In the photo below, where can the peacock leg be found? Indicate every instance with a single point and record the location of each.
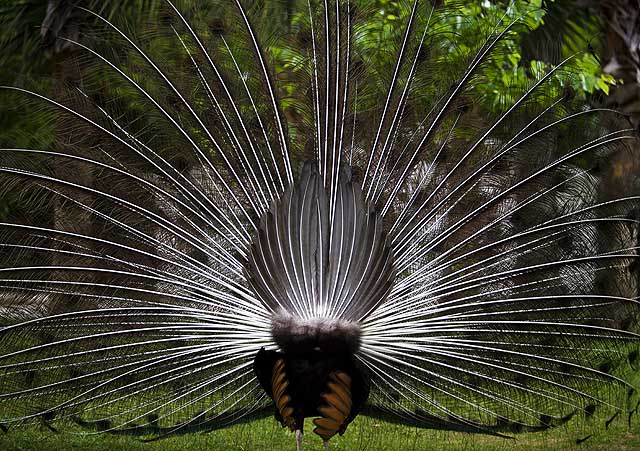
(326, 445)
(299, 435)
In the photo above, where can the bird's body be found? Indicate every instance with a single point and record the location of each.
(316, 220)
(307, 378)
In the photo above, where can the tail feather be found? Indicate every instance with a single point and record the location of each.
(250, 186)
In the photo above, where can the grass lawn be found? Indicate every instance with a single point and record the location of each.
(364, 434)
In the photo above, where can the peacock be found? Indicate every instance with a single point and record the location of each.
(310, 214)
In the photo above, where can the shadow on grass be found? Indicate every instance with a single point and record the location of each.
(363, 435)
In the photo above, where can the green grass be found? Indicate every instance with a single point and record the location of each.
(365, 434)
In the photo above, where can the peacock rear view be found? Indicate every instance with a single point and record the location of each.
(315, 219)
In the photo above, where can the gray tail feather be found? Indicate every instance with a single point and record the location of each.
(316, 262)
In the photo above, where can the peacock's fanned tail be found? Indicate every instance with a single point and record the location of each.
(232, 182)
